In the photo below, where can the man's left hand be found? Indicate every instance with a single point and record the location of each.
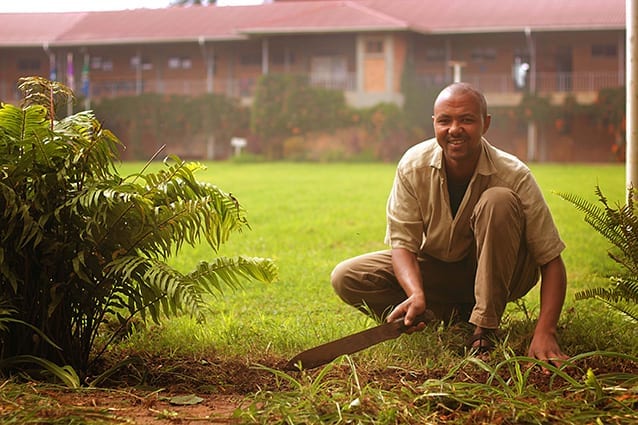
(544, 347)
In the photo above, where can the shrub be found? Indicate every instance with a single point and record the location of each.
(620, 227)
(286, 105)
(148, 121)
(81, 243)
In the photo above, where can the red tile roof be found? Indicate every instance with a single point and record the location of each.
(323, 16)
(159, 25)
(231, 23)
(445, 16)
(28, 29)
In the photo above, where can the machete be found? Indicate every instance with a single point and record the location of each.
(325, 353)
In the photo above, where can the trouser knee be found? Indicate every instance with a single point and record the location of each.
(338, 280)
(498, 205)
(367, 282)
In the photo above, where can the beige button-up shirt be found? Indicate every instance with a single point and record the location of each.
(419, 217)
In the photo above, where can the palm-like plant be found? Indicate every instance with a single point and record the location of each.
(80, 243)
(620, 227)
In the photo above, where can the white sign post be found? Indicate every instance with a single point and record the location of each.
(238, 143)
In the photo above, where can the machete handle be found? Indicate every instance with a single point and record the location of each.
(426, 317)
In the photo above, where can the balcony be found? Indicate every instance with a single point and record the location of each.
(550, 82)
(501, 90)
(498, 86)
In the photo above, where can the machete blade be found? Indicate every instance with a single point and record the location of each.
(325, 353)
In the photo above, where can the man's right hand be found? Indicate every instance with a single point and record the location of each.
(409, 310)
(406, 269)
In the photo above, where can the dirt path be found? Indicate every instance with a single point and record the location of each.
(195, 391)
(143, 408)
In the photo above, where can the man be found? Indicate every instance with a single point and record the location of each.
(468, 230)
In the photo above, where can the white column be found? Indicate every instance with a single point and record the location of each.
(631, 177)
(389, 64)
(457, 67)
(360, 53)
(264, 56)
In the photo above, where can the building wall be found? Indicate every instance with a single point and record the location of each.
(566, 63)
(20, 62)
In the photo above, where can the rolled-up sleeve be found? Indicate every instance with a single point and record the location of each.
(404, 220)
(543, 239)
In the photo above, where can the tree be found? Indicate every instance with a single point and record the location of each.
(81, 243)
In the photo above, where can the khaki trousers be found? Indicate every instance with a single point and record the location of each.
(498, 269)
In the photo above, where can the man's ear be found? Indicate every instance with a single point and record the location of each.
(486, 123)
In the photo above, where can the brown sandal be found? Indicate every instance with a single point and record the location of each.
(481, 343)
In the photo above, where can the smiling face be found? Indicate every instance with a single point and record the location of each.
(460, 120)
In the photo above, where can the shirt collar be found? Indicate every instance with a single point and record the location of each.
(485, 164)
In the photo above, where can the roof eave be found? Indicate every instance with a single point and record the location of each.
(319, 30)
(492, 30)
(30, 44)
(131, 41)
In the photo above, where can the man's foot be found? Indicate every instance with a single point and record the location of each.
(482, 341)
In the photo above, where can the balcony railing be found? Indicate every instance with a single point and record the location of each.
(549, 82)
(236, 88)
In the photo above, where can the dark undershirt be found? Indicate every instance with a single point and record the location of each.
(456, 192)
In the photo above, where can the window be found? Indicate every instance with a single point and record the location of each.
(435, 54)
(101, 64)
(180, 63)
(283, 57)
(250, 59)
(29, 64)
(604, 50)
(484, 54)
(144, 63)
(374, 47)
(329, 71)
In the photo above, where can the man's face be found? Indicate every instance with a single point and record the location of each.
(459, 125)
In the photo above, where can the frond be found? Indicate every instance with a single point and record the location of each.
(590, 209)
(122, 215)
(595, 215)
(151, 285)
(597, 293)
(41, 91)
(619, 226)
(95, 148)
(182, 204)
(231, 272)
(23, 126)
(139, 295)
(627, 224)
(627, 288)
(623, 297)
(629, 310)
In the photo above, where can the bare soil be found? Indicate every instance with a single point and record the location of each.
(145, 392)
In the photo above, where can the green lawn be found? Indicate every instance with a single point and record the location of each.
(308, 217)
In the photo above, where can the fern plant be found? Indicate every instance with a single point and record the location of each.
(619, 226)
(81, 243)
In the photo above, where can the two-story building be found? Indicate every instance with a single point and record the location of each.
(504, 47)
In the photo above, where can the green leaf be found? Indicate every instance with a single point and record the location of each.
(66, 374)
(80, 242)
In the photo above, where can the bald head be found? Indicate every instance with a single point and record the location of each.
(460, 89)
